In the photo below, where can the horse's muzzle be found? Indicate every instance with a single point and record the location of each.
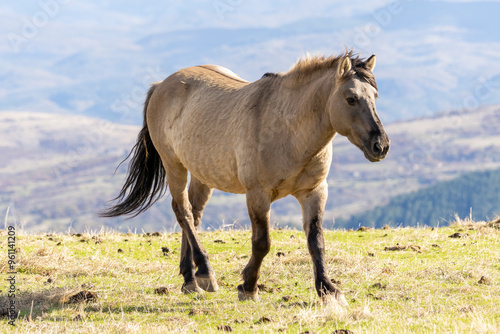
(378, 148)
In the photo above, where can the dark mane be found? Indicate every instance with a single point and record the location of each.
(270, 75)
(308, 65)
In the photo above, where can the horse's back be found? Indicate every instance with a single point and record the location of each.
(194, 118)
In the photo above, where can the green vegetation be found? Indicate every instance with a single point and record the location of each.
(436, 205)
(402, 280)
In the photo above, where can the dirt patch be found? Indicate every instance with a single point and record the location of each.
(399, 247)
(458, 235)
(494, 224)
(264, 320)
(225, 328)
(83, 296)
(379, 286)
(484, 280)
(162, 290)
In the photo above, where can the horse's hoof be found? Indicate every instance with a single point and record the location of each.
(191, 287)
(207, 283)
(247, 295)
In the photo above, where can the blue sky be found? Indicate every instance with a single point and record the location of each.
(96, 58)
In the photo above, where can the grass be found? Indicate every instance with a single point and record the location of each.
(433, 284)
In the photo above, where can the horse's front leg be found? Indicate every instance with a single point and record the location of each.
(313, 206)
(259, 206)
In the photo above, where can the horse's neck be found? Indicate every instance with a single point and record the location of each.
(307, 118)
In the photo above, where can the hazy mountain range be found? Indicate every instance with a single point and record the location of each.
(96, 58)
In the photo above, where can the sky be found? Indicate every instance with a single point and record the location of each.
(97, 58)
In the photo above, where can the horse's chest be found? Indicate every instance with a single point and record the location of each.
(308, 176)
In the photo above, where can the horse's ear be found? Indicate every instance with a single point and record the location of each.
(345, 66)
(370, 63)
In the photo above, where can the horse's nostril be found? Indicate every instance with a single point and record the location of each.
(377, 149)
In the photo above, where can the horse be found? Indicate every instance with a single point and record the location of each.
(266, 139)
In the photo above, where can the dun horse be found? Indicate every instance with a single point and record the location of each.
(267, 139)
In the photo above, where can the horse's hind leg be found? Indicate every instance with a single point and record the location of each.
(199, 194)
(177, 181)
(313, 205)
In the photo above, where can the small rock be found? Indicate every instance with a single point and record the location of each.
(308, 332)
(342, 331)
(163, 290)
(120, 250)
(59, 243)
(286, 298)
(79, 317)
(386, 227)
(484, 280)
(225, 328)
(165, 250)
(218, 241)
(371, 254)
(364, 229)
(156, 234)
(436, 246)
(279, 254)
(292, 237)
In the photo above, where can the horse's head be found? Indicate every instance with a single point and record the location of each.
(352, 107)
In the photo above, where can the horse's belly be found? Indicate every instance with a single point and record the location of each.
(216, 173)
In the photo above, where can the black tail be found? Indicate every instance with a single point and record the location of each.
(146, 181)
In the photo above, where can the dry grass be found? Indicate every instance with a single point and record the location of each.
(429, 283)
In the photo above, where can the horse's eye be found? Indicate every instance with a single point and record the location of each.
(351, 101)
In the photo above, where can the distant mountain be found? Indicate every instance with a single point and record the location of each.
(58, 170)
(475, 195)
(97, 58)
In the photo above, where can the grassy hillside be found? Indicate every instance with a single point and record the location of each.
(402, 280)
(435, 205)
